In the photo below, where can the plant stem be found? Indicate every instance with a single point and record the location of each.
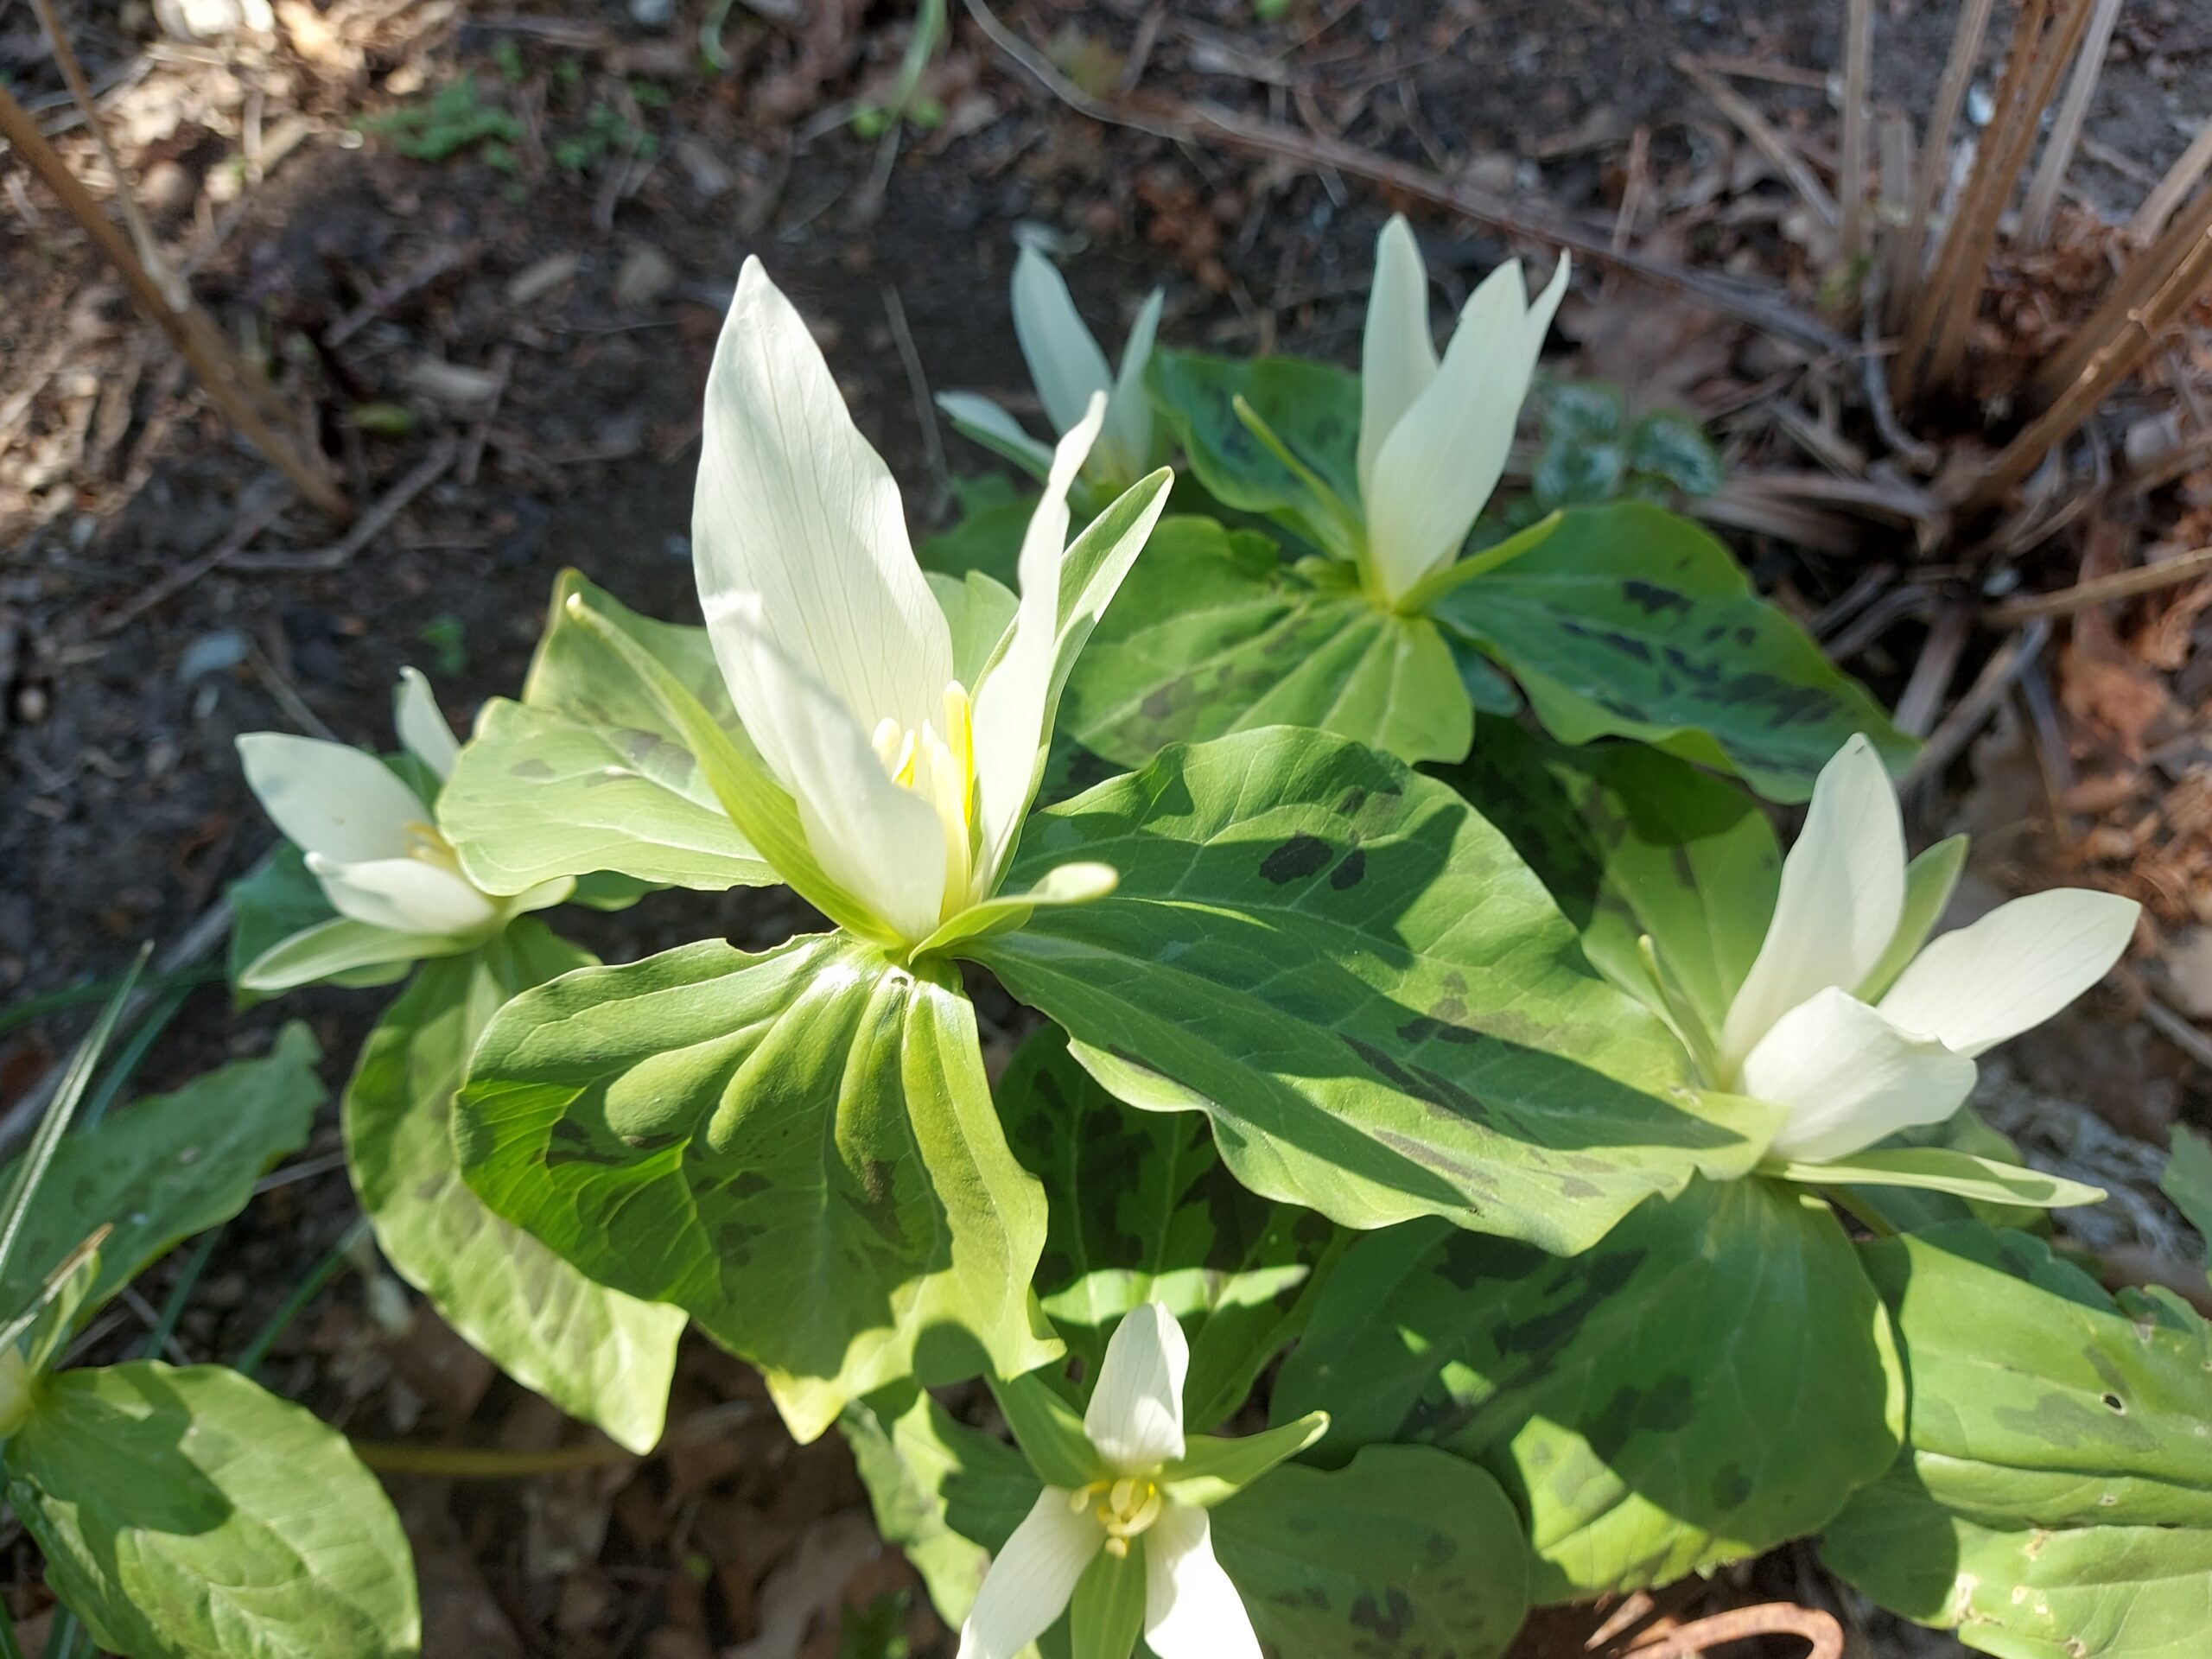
(37, 1007)
(10, 1646)
(181, 1293)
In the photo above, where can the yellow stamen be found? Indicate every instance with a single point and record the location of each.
(1126, 1507)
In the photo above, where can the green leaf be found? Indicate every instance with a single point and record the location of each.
(1407, 1550)
(1212, 1470)
(596, 1353)
(1107, 1615)
(165, 1168)
(190, 1514)
(1572, 472)
(275, 903)
(1633, 842)
(799, 1148)
(978, 609)
(987, 539)
(1629, 622)
(1312, 409)
(589, 774)
(1587, 411)
(1139, 1208)
(1048, 1430)
(2055, 1499)
(1909, 1210)
(344, 952)
(1674, 448)
(2187, 1180)
(1213, 634)
(945, 1493)
(1938, 1169)
(1370, 996)
(1703, 1384)
(45, 1326)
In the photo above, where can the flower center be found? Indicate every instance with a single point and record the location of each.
(1124, 1506)
(426, 846)
(941, 769)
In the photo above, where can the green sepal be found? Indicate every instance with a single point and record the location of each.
(1212, 1468)
(1939, 1169)
(1106, 1615)
(1049, 1432)
(1929, 881)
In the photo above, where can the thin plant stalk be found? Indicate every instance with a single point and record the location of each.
(1935, 153)
(2146, 274)
(1851, 176)
(2173, 189)
(2066, 134)
(251, 1356)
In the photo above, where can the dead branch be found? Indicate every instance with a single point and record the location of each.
(1822, 1636)
(2101, 590)
(227, 379)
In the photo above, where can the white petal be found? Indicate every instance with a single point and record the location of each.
(2013, 968)
(1032, 1577)
(1129, 411)
(1135, 1416)
(1439, 464)
(1010, 703)
(882, 843)
(326, 799)
(979, 418)
(1063, 359)
(1397, 356)
(1842, 893)
(422, 729)
(1191, 1609)
(404, 895)
(1850, 1076)
(794, 507)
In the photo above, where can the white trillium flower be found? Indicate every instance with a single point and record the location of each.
(1433, 436)
(1069, 369)
(1135, 1425)
(371, 840)
(909, 786)
(1800, 1032)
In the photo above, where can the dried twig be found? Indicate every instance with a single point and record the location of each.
(1936, 153)
(1192, 123)
(2145, 275)
(1822, 1636)
(258, 512)
(2101, 590)
(1957, 728)
(917, 385)
(2173, 190)
(1763, 135)
(1851, 174)
(1931, 674)
(365, 529)
(2065, 133)
(235, 387)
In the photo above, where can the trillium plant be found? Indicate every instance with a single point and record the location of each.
(1430, 1153)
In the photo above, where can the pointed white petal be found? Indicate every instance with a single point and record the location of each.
(1010, 703)
(882, 843)
(1397, 355)
(422, 729)
(1032, 1577)
(1842, 893)
(1129, 411)
(1191, 1609)
(404, 895)
(327, 798)
(1135, 1416)
(1437, 469)
(2013, 968)
(1850, 1076)
(1063, 359)
(795, 507)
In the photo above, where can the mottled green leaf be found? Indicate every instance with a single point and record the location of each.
(2055, 1498)
(587, 773)
(1939, 1169)
(594, 1352)
(1212, 634)
(1674, 448)
(190, 1514)
(165, 1168)
(1313, 409)
(1631, 842)
(1372, 999)
(1588, 412)
(2187, 1180)
(945, 1493)
(1575, 473)
(1406, 1550)
(799, 1148)
(1704, 1383)
(1139, 1208)
(1629, 622)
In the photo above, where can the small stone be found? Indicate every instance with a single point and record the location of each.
(645, 279)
